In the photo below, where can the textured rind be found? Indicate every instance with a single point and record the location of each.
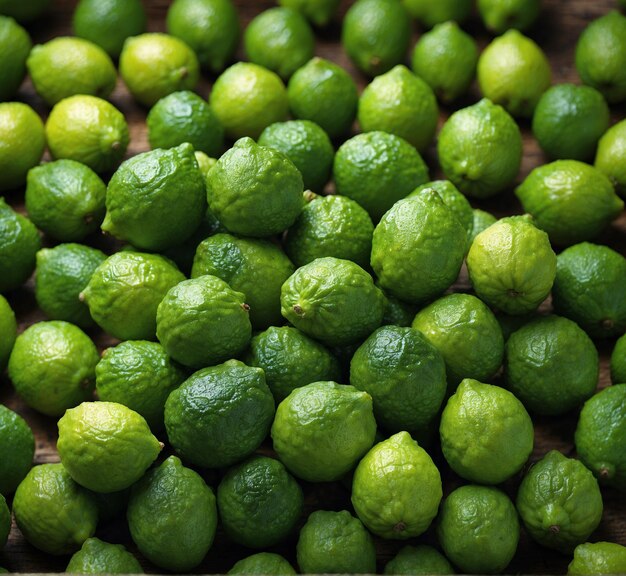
(421, 559)
(17, 439)
(262, 563)
(98, 557)
(598, 558)
(8, 333)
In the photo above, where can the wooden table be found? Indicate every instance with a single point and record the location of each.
(557, 31)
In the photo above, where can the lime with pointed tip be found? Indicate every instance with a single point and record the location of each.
(15, 45)
(598, 558)
(98, 557)
(262, 563)
(421, 559)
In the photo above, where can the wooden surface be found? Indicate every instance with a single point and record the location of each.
(557, 30)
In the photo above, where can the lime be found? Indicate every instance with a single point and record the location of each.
(15, 46)
(210, 27)
(24, 11)
(590, 289)
(498, 16)
(62, 273)
(559, 502)
(65, 199)
(247, 98)
(17, 439)
(259, 502)
(306, 145)
(478, 529)
(98, 557)
(322, 430)
(610, 154)
(480, 149)
(332, 300)
(335, 543)
(139, 375)
(262, 563)
(220, 415)
(22, 143)
(377, 169)
(482, 221)
(203, 321)
(376, 35)
(318, 12)
(417, 560)
(445, 58)
(8, 333)
(598, 558)
(108, 23)
(5, 522)
(514, 72)
(323, 92)
(601, 433)
(185, 117)
(89, 130)
(618, 361)
(432, 13)
(512, 266)
(125, 290)
(156, 200)
(601, 56)
(418, 248)
(569, 120)
(172, 516)
(52, 366)
(330, 226)
(396, 488)
(53, 512)
(257, 268)
(254, 190)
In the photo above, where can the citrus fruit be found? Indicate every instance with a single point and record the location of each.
(598, 558)
(482, 221)
(610, 156)
(498, 16)
(618, 361)
(98, 557)
(17, 439)
(262, 563)
(15, 46)
(421, 559)
(432, 13)
(318, 12)
(8, 333)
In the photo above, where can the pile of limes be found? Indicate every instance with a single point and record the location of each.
(278, 289)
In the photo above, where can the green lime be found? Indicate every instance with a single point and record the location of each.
(210, 27)
(5, 522)
(330, 226)
(322, 430)
(24, 11)
(590, 289)
(247, 98)
(601, 56)
(262, 563)
(290, 360)
(185, 117)
(172, 516)
(570, 200)
(323, 92)
(306, 145)
(376, 35)
(53, 512)
(610, 155)
(482, 221)
(17, 439)
(418, 248)
(254, 190)
(89, 130)
(62, 273)
(446, 58)
(108, 23)
(332, 300)
(559, 502)
(125, 290)
(156, 200)
(66, 66)
(335, 543)
(618, 361)
(52, 366)
(15, 46)
(569, 120)
(153, 65)
(432, 13)
(259, 502)
(514, 72)
(139, 375)
(480, 149)
(65, 199)
(466, 333)
(377, 169)
(280, 39)
(318, 12)
(512, 265)
(551, 365)
(486, 433)
(416, 560)
(257, 268)
(220, 415)
(396, 470)
(22, 143)
(598, 558)
(203, 321)
(601, 434)
(8, 333)
(478, 529)
(498, 16)
(405, 376)
(98, 557)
